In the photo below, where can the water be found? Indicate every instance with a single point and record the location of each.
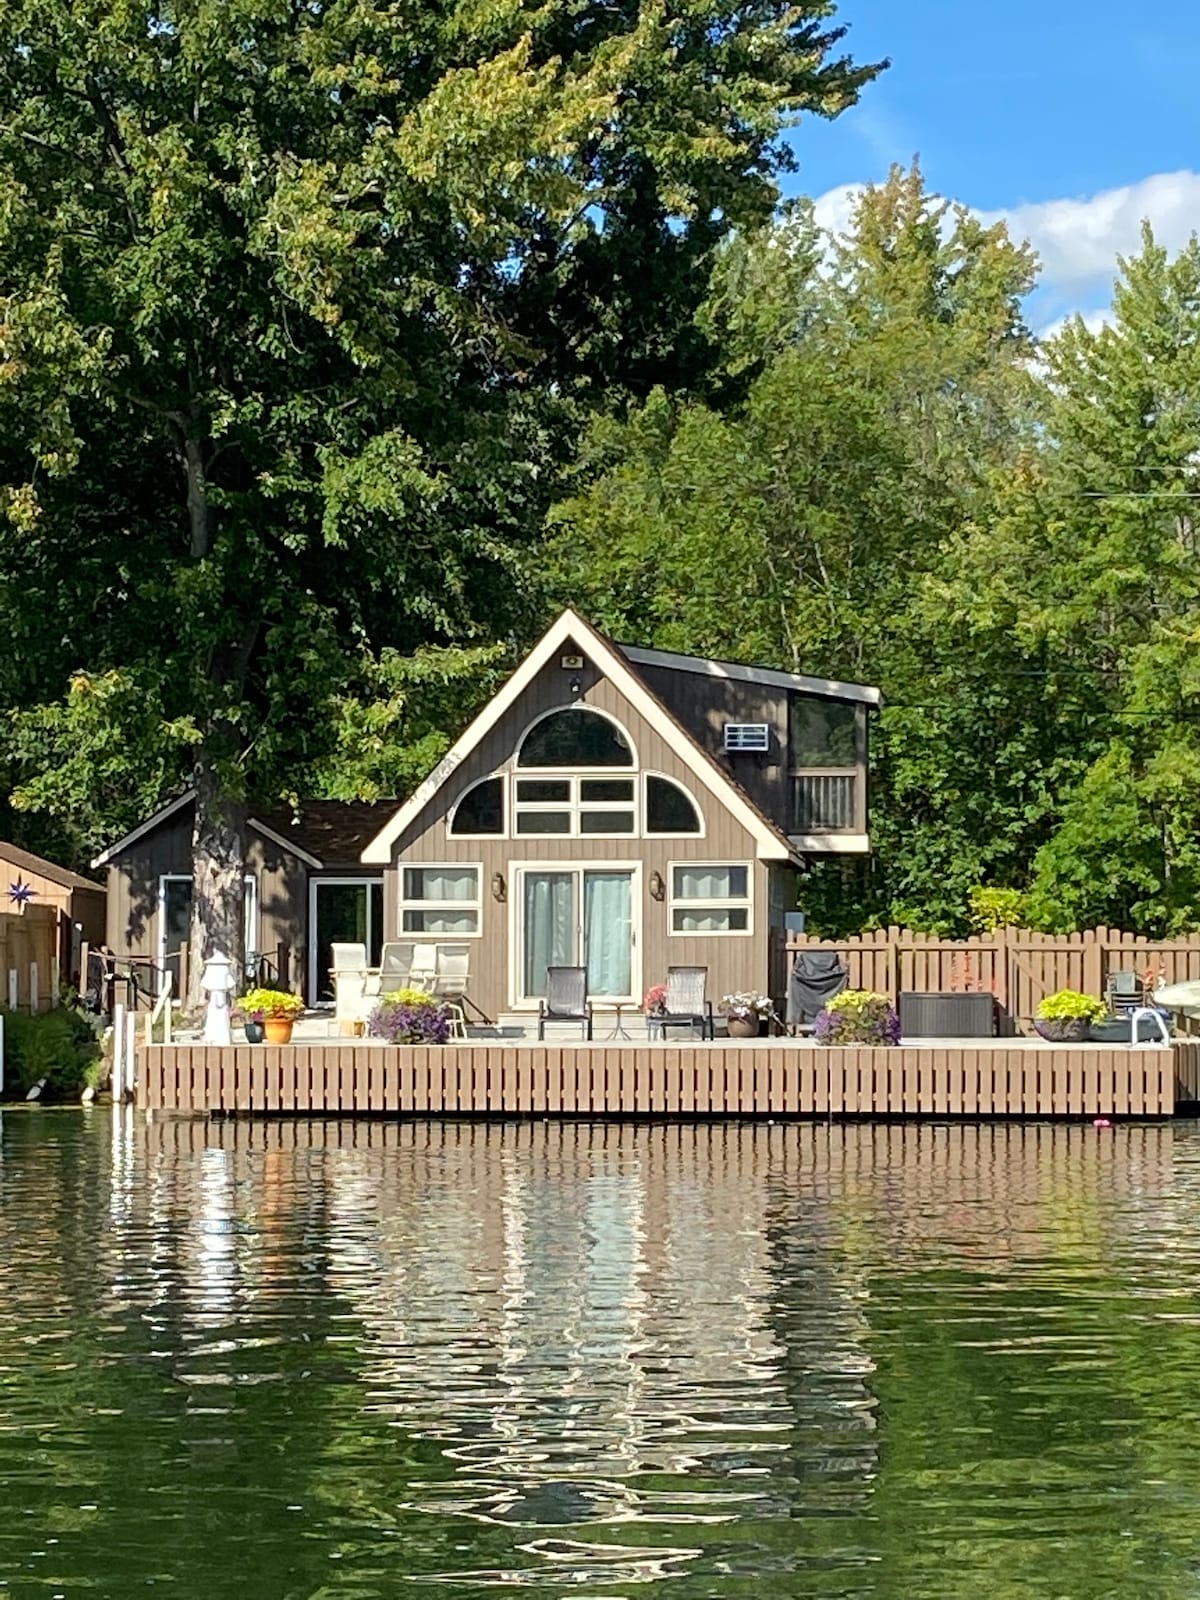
(339, 1360)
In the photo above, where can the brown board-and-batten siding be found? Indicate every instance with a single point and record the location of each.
(734, 961)
(753, 1079)
(166, 850)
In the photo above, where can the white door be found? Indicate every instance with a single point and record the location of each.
(577, 916)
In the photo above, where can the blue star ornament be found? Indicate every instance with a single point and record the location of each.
(20, 894)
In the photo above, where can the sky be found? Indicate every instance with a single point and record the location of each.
(1073, 120)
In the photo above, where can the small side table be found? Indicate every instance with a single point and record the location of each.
(618, 1030)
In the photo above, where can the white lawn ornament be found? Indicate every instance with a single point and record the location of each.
(218, 982)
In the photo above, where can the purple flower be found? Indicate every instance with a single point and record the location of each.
(867, 1019)
(405, 1022)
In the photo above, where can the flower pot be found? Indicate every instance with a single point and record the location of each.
(742, 1027)
(1063, 1030)
(278, 1029)
(253, 1032)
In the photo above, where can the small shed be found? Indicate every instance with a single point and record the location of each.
(78, 902)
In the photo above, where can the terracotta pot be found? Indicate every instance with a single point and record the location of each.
(253, 1032)
(742, 1027)
(278, 1029)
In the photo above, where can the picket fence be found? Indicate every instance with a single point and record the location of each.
(1015, 965)
(29, 959)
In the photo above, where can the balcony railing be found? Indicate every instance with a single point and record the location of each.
(825, 802)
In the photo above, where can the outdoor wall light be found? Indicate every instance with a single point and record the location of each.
(576, 685)
(497, 886)
(657, 887)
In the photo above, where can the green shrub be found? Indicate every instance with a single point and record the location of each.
(1069, 1005)
(60, 1046)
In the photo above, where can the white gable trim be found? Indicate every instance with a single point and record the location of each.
(284, 843)
(829, 687)
(143, 828)
(769, 845)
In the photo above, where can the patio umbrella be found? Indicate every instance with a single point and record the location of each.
(1183, 997)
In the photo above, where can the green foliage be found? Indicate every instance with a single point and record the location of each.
(992, 909)
(1069, 1005)
(61, 1045)
(260, 1003)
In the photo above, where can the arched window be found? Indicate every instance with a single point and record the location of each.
(480, 809)
(669, 807)
(575, 738)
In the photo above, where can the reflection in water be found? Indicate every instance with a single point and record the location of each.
(340, 1359)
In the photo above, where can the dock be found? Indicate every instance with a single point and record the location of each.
(745, 1079)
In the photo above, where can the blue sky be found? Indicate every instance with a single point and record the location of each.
(1074, 120)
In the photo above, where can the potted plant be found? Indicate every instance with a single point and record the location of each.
(654, 1003)
(251, 1021)
(746, 1013)
(275, 1010)
(409, 1016)
(858, 1016)
(1066, 1016)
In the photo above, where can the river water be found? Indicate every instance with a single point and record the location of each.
(358, 1360)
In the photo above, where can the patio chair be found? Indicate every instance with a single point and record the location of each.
(566, 999)
(686, 1005)
(424, 967)
(349, 973)
(451, 972)
(395, 964)
(1125, 991)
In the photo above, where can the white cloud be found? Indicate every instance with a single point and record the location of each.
(1077, 240)
(1093, 320)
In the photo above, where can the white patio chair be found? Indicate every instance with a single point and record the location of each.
(452, 970)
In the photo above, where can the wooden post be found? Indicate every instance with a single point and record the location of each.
(183, 973)
(130, 1054)
(118, 1053)
(12, 988)
(34, 994)
(1093, 963)
(83, 973)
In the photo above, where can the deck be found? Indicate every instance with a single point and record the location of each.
(1001, 1078)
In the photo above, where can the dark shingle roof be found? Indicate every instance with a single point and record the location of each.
(335, 831)
(27, 862)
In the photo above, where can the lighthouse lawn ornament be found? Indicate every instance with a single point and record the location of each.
(217, 980)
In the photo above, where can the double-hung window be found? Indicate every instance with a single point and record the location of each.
(440, 902)
(708, 898)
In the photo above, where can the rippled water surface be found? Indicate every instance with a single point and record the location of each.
(366, 1360)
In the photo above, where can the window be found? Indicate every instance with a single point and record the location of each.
(440, 901)
(175, 922)
(710, 899)
(575, 737)
(669, 808)
(828, 751)
(480, 810)
(581, 806)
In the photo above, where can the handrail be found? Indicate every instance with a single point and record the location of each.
(162, 1007)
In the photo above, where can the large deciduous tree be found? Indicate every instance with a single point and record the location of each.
(299, 300)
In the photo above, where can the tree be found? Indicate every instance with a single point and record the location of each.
(298, 306)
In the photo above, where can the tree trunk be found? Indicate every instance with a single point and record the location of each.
(218, 882)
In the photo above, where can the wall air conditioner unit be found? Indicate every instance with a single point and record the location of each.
(754, 737)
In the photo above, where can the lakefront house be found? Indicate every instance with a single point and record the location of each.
(614, 808)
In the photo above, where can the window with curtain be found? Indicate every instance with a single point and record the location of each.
(440, 900)
(669, 808)
(710, 898)
(481, 809)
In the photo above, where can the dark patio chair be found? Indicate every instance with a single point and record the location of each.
(1126, 991)
(686, 1003)
(566, 999)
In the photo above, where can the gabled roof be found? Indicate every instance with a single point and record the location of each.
(771, 844)
(26, 861)
(828, 688)
(318, 832)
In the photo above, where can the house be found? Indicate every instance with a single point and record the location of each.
(617, 808)
(77, 902)
(626, 810)
(306, 887)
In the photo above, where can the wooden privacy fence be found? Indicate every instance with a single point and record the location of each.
(1015, 965)
(29, 959)
(752, 1079)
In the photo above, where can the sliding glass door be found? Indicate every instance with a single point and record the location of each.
(577, 916)
(344, 911)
